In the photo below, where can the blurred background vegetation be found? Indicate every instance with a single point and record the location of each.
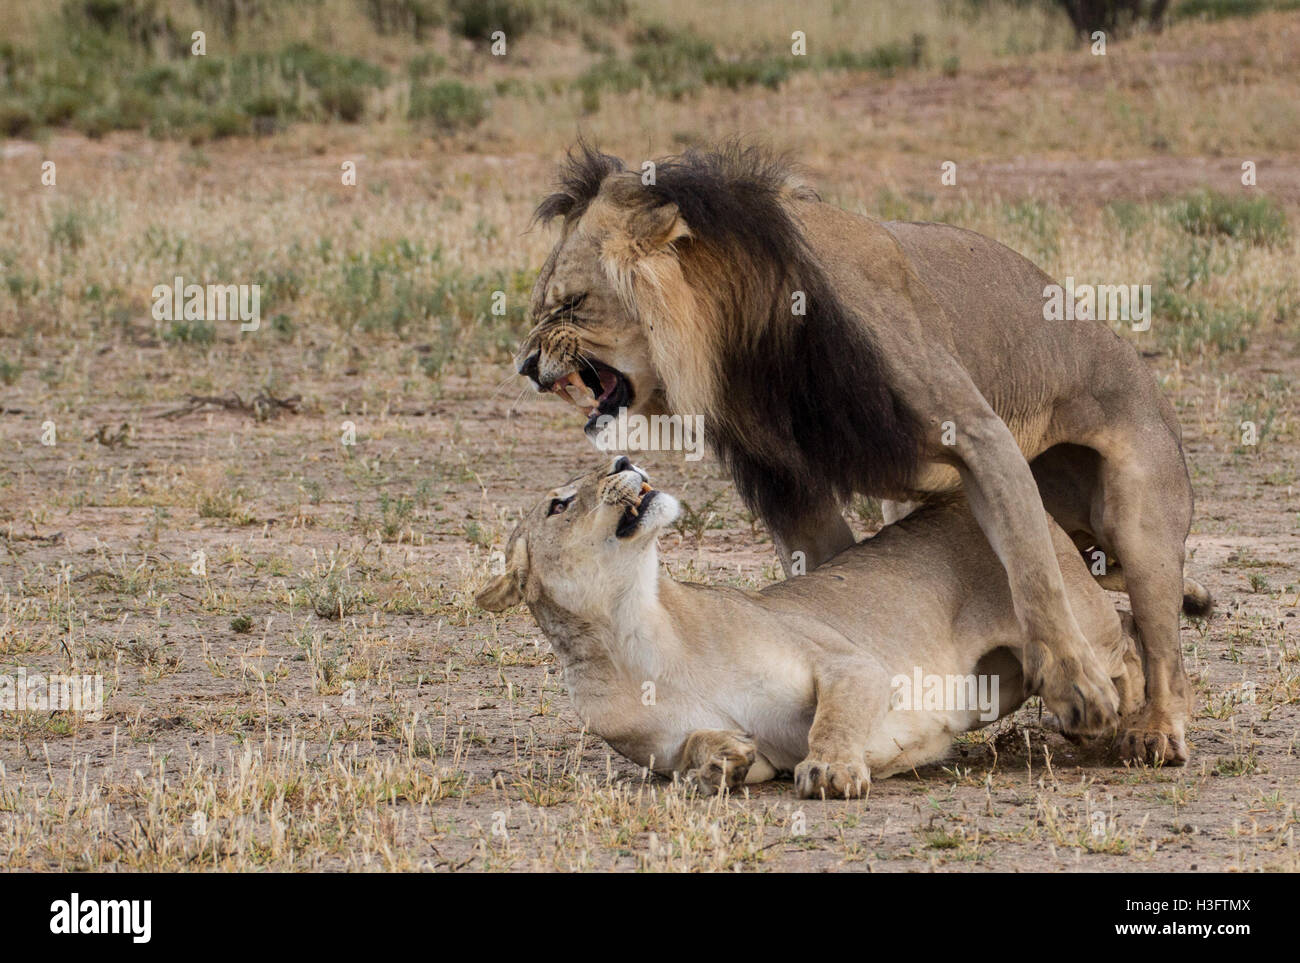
(226, 166)
(103, 65)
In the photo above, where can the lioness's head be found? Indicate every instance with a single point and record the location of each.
(585, 543)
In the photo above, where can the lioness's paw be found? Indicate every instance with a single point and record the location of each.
(815, 779)
(1080, 694)
(724, 766)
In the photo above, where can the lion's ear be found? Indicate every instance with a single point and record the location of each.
(500, 593)
(645, 225)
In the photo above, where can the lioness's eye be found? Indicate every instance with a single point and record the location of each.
(558, 505)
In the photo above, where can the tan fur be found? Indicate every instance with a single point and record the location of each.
(725, 686)
(957, 319)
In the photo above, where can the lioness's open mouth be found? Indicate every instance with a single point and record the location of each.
(596, 388)
(631, 518)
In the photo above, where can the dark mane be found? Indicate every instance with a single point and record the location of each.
(803, 410)
(580, 177)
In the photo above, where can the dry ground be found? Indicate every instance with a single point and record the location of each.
(401, 734)
(325, 695)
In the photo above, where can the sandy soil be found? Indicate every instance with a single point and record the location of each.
(190, 687)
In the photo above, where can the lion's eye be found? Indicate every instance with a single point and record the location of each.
(558, 505)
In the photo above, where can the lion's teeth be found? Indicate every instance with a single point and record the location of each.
(580, 394)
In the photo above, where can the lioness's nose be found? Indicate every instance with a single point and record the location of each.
(529, 367)
(623, 463)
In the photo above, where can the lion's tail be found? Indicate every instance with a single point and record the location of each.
(1197, 601)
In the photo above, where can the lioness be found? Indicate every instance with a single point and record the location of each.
(798, 677)
(832, 354)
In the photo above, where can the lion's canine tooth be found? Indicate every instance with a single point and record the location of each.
(572, 388)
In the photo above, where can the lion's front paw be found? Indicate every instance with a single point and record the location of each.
(1153, 736)
(1080, 694)
(815, 779)
(724, 763)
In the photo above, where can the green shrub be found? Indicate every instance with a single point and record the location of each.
(228, 122)
(611, 11)
(321, 68)
(1256, 220)
(1127, 216)
(478, 19)
(425, 65)
(1187, 324)
(450, 104)
(16, 119)
(344, 101)
(139, 22)
(1223, 9)
(767, 71)
(68, 230)
(414, 17)
(190, 332)
(885, 59)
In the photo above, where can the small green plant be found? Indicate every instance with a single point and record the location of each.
(694, 522)
(224, 504)
(197, 332)
(478, 19)
(449, 104)
(1256, 220)
(68, 230)
(332, 598)
(397, 514)
(868, 511)
(476, 535)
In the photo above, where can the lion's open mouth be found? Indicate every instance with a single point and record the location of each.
(631, 518)
(596, 388)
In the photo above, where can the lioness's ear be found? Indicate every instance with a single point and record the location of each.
(507, 589)
(500, 593)
(644, 224)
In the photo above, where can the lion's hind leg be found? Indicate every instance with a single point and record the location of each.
(1142, 513)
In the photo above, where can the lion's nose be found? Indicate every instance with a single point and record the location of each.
(529, 368)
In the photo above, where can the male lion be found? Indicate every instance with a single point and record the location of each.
(811, 675)
(831, 354)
